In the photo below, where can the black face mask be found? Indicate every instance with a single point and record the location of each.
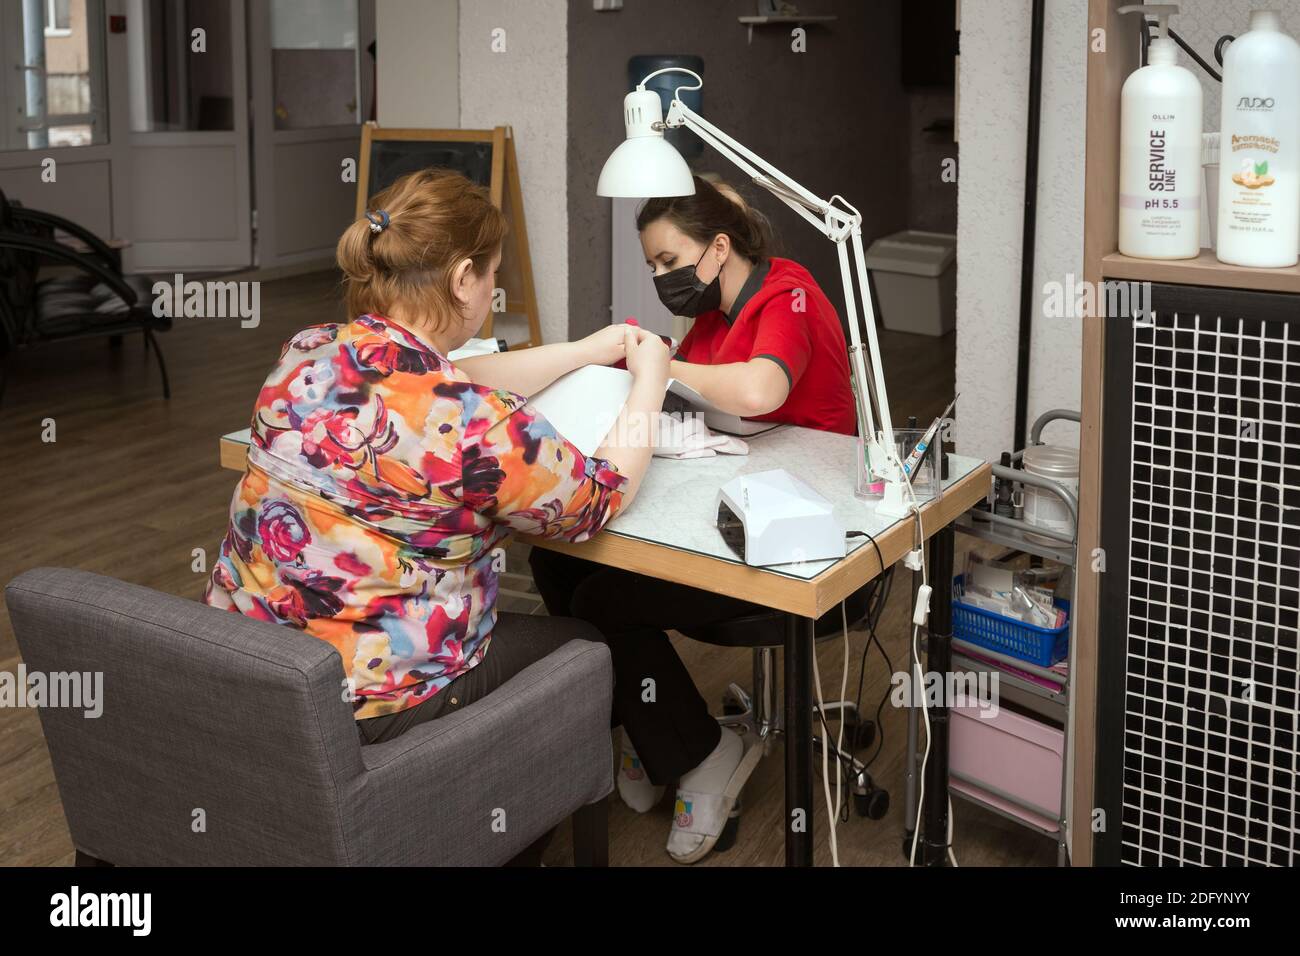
(682, 292)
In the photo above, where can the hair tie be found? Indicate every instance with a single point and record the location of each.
(378, 220)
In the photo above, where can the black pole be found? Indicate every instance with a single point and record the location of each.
(938, 661)
(1027, 298)
(799, 649)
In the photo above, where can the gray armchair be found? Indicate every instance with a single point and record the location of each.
(225, 740)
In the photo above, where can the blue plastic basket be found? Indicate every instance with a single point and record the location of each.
(1043, 646)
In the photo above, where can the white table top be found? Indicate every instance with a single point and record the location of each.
(677, 506)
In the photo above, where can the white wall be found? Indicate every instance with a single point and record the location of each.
(442, 65)
(993, 104)
(418, 63)
(525, 86)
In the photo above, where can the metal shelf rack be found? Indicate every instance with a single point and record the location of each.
(1052, 705)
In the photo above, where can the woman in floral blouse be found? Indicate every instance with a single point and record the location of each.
(383, 479)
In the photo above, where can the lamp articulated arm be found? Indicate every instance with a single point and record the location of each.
(842, 224)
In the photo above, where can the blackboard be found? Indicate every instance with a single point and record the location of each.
(484, 156)
(390, 159)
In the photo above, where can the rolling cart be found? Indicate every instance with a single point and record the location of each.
(1024, 749)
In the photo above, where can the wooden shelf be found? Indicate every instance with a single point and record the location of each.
(789, 18)
(1205, 269)
(798, 19)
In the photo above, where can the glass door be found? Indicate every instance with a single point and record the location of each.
(54, 76)
(55, 142)
(312, 81)
(188, 168)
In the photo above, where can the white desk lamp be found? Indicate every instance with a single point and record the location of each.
(646, 165)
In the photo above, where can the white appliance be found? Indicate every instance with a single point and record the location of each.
(774, 518)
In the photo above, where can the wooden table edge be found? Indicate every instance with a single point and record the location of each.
(811, 597)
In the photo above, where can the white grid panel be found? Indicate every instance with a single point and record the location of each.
(1211, 692)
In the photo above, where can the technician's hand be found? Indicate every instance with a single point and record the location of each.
(609, 344)
(647, 356)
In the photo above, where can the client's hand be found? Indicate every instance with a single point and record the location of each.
(609, 344)
(647, 356)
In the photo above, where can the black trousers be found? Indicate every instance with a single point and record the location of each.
(655, 699)
(517, 641)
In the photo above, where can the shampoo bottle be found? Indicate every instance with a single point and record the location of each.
(1160, 152)
(1259, 148)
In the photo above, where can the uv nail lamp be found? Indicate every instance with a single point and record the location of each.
(774, 518)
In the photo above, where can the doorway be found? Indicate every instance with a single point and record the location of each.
(207, 135)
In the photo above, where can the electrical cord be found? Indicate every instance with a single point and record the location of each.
(916, 660)
(833, 809)
(875, 608)
(925, 714)
(842, 762)
(872, 623)
(878, 598)
(876, 605)
(845, 763)
(884, 698)
(916, 663)
(872, 620)
(871, 538)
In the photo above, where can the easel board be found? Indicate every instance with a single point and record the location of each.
(485, 157)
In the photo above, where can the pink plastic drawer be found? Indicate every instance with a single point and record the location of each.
(1014, 754)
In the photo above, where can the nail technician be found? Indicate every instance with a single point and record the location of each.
(766, 344)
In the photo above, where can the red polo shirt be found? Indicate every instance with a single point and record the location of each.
(782, 315)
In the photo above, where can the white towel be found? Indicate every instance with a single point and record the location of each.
(689, 437)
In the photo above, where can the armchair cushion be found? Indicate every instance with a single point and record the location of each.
(505, 769)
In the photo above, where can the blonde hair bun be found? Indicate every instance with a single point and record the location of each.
(429, 221)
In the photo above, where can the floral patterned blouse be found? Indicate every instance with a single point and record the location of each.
(380, 483)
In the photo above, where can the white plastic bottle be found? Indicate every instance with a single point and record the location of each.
(1259, 149)
(1160, 154)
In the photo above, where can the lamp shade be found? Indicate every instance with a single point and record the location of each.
(645, 164)
(644, 167)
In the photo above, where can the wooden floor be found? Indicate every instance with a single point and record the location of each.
(131, 486)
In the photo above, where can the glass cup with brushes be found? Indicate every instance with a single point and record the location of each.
(919, 458)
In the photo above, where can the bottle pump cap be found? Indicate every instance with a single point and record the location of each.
(1162, 51)
(1265, 20)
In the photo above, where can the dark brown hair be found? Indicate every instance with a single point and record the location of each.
(712, 210)
(436, 219)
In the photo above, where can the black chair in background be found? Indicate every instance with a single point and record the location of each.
(96, 300)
